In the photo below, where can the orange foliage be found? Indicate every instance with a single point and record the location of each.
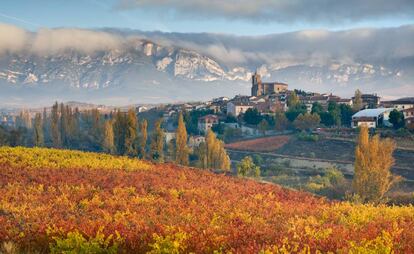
(188, 209)
(268, 144)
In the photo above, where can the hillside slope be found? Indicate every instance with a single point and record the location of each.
(149, 207)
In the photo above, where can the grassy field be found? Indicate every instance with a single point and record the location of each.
(164, 208)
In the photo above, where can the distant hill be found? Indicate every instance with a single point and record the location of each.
(73, 201)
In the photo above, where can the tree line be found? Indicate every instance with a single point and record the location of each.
(117, 133)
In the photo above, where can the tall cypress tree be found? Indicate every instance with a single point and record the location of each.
(54, 126)
(108, 144)
(119, 132)
(157, 142)
(131, 134)
(38, 131)
(143, 138)
(181, 154)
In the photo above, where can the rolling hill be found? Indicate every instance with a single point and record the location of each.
(58, 200)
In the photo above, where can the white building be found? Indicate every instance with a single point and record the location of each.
(400, 104)
(372, 118)
(237, 108)
(205, 123)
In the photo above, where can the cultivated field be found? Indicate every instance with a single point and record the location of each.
(267, 144)
(164, 208)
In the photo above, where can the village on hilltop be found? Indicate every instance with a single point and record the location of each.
(270, 109)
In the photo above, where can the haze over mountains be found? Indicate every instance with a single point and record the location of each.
(120, 67)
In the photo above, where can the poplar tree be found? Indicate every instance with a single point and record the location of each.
(157, 142)
(357, 103)
(212, 154)
(63, 125)
(373, 162)
(182, 151)
(38, 131)
(131, 131)
(54, 126)
(108, 144)
(143, 139)
(119, 132)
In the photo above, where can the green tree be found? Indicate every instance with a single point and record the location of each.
(292, 100)
(157, 142)
(38, 131)
(346, 114)
(54, 126)
(247, 168)
(307, 121)
(317, 108)
(143, 139)
(295, 111)
(120, 131)
(4, 136)
(182, 151)
(357, 102)
(131, 131)
(335, 112)
(252, 116)
(108, 144)
(397, 119)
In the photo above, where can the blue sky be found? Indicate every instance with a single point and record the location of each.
(35, 14)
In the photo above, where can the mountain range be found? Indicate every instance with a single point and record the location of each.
(154, 67)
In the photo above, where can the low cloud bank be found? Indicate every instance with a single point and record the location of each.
(309, 46)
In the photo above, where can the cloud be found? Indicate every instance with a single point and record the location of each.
(85, 41)
(51, 41)
(12, 38)
(283, 11)
(307, 47)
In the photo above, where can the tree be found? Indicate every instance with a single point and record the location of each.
(373, 162)
(108, 144)
(232, 133)
(157, 142)
(181, 154)
(263, 127)
(4, 137)
(397, 119)
(307, 121)
(346, 114)
(143, 139)
(252, 116)
(317, 108)
(247, 168)
(292, 100)
(357, 102)
(131, 131)
(119, 132)
(295, 111)
(335, 112)
(54, 126)
(214, 154)
(281, 122)
(38, 131)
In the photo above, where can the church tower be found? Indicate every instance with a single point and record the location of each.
(257, 89)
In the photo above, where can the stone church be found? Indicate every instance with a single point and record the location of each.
(259, 88)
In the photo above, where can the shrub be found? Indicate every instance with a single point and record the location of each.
(75, 242)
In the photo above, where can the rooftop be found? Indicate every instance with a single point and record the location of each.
(375, 112)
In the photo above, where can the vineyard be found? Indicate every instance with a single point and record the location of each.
(268, 144)
(56, 201)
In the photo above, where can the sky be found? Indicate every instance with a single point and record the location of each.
(240, 17)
